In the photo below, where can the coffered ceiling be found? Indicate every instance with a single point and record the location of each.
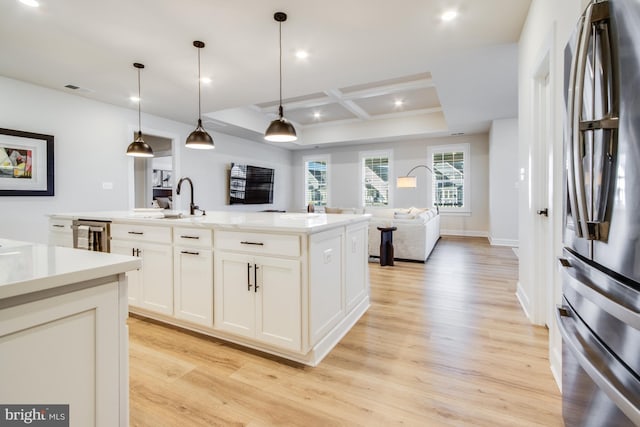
(363, 57)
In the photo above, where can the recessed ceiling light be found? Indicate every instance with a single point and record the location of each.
(449, 15)
(134, 98)
(302, 54)
(398, 103)
(206, 80)
(316, 115)
(31, 3)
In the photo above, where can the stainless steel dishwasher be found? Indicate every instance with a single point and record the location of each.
(92, 235)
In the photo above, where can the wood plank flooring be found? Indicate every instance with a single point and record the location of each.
(444, 343)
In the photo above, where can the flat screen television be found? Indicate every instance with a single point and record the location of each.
(250, 185)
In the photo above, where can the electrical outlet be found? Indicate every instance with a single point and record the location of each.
(327, 255)
(107, 185)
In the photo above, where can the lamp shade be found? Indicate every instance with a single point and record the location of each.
(139, 148)
(200, 139)
(280, 130)
(406, 182)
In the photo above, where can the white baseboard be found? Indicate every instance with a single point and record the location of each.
(556, 367)
(465, 233)
(503, 242)
(523, 300)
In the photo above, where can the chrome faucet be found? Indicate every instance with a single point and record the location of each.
(192, 206)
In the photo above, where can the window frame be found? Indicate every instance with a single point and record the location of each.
(466, 204)
(390, 179)
(318, 158)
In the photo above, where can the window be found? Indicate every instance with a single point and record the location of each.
(316, 180)
(375, 174)
(450, 184)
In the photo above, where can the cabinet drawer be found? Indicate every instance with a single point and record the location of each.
(262, 243)
(192, 236)
(60, 225)
(141, 233)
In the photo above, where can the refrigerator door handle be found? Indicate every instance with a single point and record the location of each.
(569, 163)
(577, 137)
(598, 363)
(615, 303)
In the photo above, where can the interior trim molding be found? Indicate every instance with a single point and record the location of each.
(466, 233)
(523, 300)
(503, 242)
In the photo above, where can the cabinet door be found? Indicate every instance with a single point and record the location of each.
(278, 305)
(157, 274)
(134, 278)
(193, 285)
(234, 301)
(356, 265)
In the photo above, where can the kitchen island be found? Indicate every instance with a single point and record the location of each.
(289, 284)
(63, 333)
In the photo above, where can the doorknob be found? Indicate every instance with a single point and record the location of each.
(544, 212)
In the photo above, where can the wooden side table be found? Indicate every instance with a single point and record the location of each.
(386, 245)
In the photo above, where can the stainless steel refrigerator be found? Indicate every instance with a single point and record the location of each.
(599, 318)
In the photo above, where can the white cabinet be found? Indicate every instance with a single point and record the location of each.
(60, 232)
(193, 276)
(70, 348)
(151, 287)
(356, 267)
(325, 282)
(259, 297)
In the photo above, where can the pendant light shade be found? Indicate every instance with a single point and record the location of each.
(199, 138)
(139, 148)
(280, 130)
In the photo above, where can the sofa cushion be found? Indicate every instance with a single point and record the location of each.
(402, 215)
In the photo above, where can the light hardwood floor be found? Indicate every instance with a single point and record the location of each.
(444, 343)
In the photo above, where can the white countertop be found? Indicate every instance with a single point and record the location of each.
(293, 222)
(32, 267)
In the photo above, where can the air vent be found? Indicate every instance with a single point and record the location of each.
(457, 134)
(79, 89)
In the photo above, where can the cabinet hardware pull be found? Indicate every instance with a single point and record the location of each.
(138, 252)
(133, 251)
(252, 243)
(140, 233)
(58, 226)
(255, 278)
(189, 237)
(248, 276)
(190, 253)
(564, 262)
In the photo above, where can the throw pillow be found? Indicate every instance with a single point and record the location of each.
(400, 215)
(332, 210)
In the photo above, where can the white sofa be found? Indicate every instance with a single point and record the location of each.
(418, 230)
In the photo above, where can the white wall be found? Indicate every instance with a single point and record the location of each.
(503, 182)
(547, 29)
(90, 143)
(344, 179)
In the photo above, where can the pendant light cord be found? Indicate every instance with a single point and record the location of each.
(199, 101)
(139, 102)
(280, 36)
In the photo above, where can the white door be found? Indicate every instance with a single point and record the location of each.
(157, 277)
(193, 285)
(544, 202)
(278, 305)
(234, 300)
(134, 277)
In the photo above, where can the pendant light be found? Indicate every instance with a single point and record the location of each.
(139, 148)
(280, 130)
(199, 138)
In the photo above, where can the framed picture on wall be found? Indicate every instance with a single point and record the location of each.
(26, 163)
(167, 179)
(157, 178)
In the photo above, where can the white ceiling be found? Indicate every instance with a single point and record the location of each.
(455, 77)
